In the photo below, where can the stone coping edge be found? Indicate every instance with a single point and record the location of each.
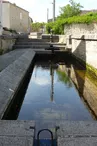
(11, 78)
(89, 37)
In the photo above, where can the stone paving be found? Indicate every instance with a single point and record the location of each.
(17, 133)
(80, 133)
(12, 76)
(9, 57)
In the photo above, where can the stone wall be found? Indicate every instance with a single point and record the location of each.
(76, 29)
(82, 39)
(85, 48)
(6, 44)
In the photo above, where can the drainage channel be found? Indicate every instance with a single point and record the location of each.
(45, 142)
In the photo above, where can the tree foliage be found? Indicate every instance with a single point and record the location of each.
(72, 9)
(66, 12)
(37, 26)
(58, 26)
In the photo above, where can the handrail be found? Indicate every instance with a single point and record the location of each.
(42, 131)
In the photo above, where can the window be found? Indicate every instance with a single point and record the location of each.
(21, 16)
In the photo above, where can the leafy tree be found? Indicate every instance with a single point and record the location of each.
(72, 9)
(37, 26)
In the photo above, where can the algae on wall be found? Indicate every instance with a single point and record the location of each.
(88, 67)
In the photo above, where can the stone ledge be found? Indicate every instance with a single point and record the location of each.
(17, 133)
(91, 141)
(81, 133)
(8, 37)
(90, 37)
(81, 128)
(11, 77)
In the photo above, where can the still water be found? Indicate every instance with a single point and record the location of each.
(52, 97)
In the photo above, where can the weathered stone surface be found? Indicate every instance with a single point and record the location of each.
(77, 141)
(77, 128)
(11, 77)
(80, 29)
(77, 133)
(16, 141)
(17, 133)
(85, 50)
(85, 37)
(8, 58)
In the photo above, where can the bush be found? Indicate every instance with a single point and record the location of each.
(58, 25)
(37, 26)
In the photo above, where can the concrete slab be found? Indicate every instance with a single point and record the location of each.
(77, 141)
(80, 133)
(8, 58)
(11, 77)
(77, 128)
(17, 133)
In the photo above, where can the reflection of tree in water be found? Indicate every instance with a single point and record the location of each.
(62, 76)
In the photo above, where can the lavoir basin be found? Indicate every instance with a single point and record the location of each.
(58, 89)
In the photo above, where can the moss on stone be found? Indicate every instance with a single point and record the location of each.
(90, 70)
(1, 51)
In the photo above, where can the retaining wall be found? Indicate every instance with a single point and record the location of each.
(6, 43)
(82, 39)
(76, 29)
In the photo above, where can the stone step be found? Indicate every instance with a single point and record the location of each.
(37, 46)
(31, 43)
(31, 46)
(30, 40)
(38, 43)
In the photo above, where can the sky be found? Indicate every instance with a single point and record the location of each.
(38, 8)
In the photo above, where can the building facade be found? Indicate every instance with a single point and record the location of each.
(15, 18)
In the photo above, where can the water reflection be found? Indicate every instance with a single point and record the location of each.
(52, 96)
(59, 91)
(86, 85)
(62, 76)
(52, 67)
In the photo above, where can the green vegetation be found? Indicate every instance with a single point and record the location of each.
(92, 70)
(89, 71)
(58, 25)
(37, 26)
(70, 14)
(72, 9)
